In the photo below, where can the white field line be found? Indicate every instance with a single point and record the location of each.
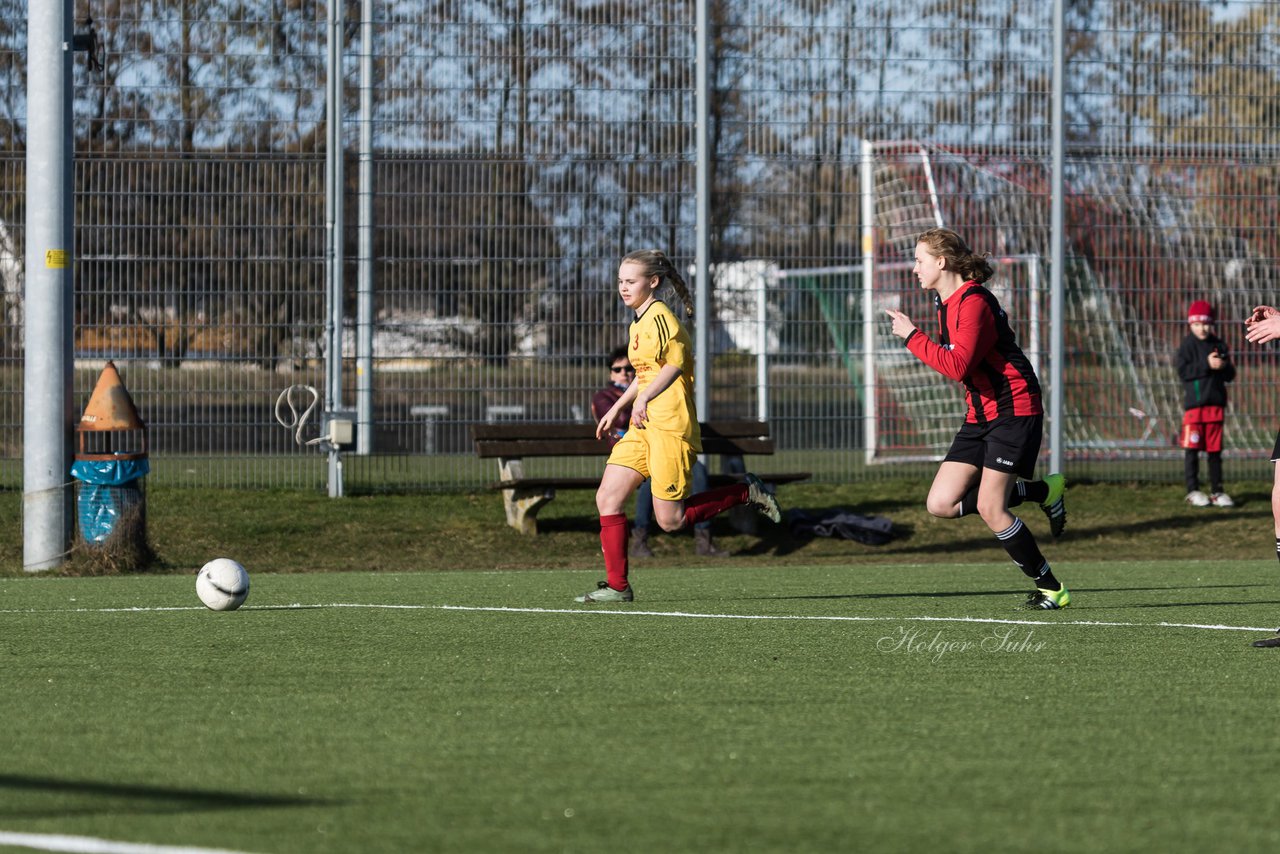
(93, 845)
(688, 615)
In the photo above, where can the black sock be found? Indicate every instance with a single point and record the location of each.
(1046, 581)
(1029, 490)
(1023, 490)
(1021, 546)
(1278, 548)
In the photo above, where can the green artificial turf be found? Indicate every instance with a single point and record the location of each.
(880, 706)
(283, 531)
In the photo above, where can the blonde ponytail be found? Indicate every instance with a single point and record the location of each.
(655, 263)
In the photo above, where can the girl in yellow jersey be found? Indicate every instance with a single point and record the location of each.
(663, 439)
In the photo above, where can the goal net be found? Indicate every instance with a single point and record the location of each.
(1140, 245)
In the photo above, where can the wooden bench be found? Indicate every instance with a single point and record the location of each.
(511, 442)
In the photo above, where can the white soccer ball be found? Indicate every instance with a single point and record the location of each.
(222, 584)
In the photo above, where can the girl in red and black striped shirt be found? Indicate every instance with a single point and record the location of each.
(1000, 439)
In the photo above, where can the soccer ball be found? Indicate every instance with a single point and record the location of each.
(222, 584)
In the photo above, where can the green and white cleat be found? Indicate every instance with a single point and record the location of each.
(605, 593)
(1268, 642)
(1048, 600)
(762, 498)
(1055, 506)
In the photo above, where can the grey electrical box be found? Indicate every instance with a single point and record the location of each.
(339, 431)
(342, 432)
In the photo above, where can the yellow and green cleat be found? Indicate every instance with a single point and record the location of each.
(1048, 600)
(1054, 506)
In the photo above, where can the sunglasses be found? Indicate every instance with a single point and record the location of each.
(617, 370)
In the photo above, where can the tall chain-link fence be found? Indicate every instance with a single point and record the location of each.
(518, 149)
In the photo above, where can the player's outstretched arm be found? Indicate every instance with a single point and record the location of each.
(1263, 325)
(666, 376)
(1260, 312)
(902, 325)
(606, 421)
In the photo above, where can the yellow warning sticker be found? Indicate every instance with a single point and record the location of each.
(55, 259)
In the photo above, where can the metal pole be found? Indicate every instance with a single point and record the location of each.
(932, 185)
(1033, 310)
(867, 180)
(48, 414)
(762, 347)
(333, 185)
(1057, 242)
(702, 215)
(364, 293)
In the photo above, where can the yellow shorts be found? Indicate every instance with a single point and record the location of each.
(665, 458)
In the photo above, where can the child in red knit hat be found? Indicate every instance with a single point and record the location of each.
(1205, 368)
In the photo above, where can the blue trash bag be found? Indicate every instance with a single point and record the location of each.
(109, 489)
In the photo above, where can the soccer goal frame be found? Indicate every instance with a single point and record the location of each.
(884, 362)
(881, 349)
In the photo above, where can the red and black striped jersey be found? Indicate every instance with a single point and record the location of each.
(976, 347)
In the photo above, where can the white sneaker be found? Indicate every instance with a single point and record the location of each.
(605, 593)
(1221, 499)
(1197, 498)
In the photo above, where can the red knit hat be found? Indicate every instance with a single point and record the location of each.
(1200, 312)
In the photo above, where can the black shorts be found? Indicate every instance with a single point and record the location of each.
(1275, 452)
(1011, 443)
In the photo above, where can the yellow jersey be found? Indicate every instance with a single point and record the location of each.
(656, 339)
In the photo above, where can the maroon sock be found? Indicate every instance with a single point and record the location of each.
(704, 505)
(613, 541)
